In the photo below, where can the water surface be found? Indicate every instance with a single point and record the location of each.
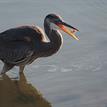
(77, 75)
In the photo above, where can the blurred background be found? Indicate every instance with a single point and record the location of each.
(77, 75)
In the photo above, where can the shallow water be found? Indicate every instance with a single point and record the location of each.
(76, 76)
(19, 93)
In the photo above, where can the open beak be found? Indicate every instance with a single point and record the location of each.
(65, 27)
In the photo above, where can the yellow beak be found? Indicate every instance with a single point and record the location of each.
(68, 31)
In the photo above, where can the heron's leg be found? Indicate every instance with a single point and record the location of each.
(6, 68)
(21, 68)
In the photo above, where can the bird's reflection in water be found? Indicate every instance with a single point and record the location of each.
(18, 93)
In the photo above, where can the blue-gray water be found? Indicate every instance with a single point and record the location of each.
(77, 75)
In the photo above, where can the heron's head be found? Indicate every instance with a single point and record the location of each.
(56, 22)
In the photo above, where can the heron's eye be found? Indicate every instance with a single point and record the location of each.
(57, 21)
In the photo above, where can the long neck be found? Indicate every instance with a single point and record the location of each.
(55, 39)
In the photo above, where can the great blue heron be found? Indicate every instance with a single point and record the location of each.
(22, 45)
